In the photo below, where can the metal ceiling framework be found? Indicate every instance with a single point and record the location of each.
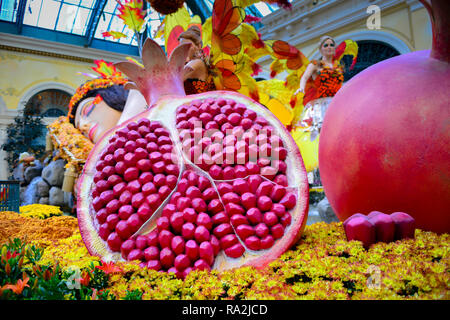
(14, 24)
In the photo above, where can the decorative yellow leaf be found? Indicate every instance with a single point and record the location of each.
(115, 34)
(132, 15)
(135, 61)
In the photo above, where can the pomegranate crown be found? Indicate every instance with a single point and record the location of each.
(159, 76)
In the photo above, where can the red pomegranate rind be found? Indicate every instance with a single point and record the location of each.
(218, 214)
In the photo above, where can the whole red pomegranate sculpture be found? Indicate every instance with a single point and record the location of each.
(385, 140)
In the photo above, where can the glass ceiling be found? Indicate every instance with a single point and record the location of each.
(82, 22)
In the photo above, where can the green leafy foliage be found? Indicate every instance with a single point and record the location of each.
(23, 134)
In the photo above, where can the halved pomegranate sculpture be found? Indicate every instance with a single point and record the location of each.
(206, 181)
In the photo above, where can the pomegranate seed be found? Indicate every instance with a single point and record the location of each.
(126, 247)
(183, 203)
(190, 215)
(232, 209)
(107, 196)
(188, 230)
(253, 243)
(219, 218)
(154, 201)
(154, 265)
(144, 212)
(231, 197)
(159, 180)
(168, 210)
(206, 252)
(163, 223)
(114, 241)
(235, 251)
(165, 238)
(182, 262)
(125, 212)
(199, 205)
(148, 188)
(261, 230)
(104, 231)
(278, 209)
(238, 219)
(267, 242)
(270, 218)
(215, 206)
(244, 231)
(254, 181)
(164, 192)
(248, 200)
(178, 245)
(134, 186)
(166, 257)
(228, 240)
(201, 265)
(222, 230)
(288, 201)
(135, 254)
(131, 174)
(201, 234)
(177, 221)
(254, 216)
(113, 206)
(264, 203)
(264, 189)
(152, 238)
(277, 231)
(191, 248)
(209, 194)
(204, 219)
(141, 242)
(123, 229)
(134, 222)
(278, 193)
(101, 215)
(286, 219)
(114, 179)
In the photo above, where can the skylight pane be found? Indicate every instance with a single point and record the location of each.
(48, 14)
(32, 12)
(103, 24)
(87, 3)
(66, 18)
(76, 2)
(8, 10)
(81, 21)
(110, 6)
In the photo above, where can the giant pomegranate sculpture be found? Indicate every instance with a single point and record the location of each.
(385, 141)
(207, 181)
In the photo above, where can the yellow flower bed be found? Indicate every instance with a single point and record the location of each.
(41, 211)
(323, 265)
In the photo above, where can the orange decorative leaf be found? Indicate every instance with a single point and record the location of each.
(225, 19)
(284, 51)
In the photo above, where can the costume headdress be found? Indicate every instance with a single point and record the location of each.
(109, 77)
